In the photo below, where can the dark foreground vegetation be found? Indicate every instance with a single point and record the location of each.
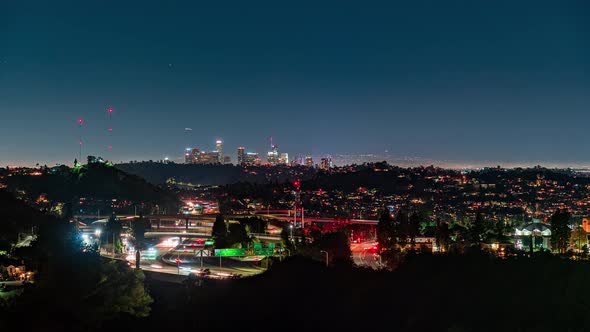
(427, 293)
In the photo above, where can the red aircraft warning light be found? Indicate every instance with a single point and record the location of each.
(80, 121)
(297, 184)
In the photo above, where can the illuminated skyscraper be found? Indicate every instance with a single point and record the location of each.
(208, 158)
(219, 146)
(191, 156)
(195, 155)
(252, 159)
(326, 163)
(284, 159)
(309, 161)
(241, 155)
(273, 157)
(187, 156)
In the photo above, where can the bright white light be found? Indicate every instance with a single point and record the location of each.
(170, 243)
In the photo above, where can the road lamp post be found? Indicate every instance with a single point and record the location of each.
(291, 228)
(327, 256)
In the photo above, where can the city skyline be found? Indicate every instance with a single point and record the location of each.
(455, 84)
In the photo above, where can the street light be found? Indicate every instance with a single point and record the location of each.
(325, 252)
(291, 227)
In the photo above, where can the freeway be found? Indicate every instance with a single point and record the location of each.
(365, 254)
(164, 257)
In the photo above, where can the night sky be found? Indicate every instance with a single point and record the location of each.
(465, 81)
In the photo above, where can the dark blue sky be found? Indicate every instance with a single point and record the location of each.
(455, 80)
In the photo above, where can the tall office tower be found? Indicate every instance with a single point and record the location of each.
(252, 159)
(188, 158)
(326, 163)
(226, 160)
(208, 158)
(196, 155)
(308, 161)
(241, 155)
(273, 155)
(219, 146)
(284, 160)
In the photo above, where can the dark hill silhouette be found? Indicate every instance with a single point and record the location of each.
(16, 217)
(159, 173)
(97, 181)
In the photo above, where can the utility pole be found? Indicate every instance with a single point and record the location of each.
(327, 257)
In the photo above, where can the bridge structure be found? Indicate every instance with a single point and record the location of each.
(310, 219)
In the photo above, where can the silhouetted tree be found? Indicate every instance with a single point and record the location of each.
(219, 232)
(386, 231)
(237, 235)
(477, 229)
(112, 233)
(84, 289)
(414, 228)
(138, 228)
(402, 224)
(442, 235)
(560, 230)
(337, 246)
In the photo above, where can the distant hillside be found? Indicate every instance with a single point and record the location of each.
(159, 173)
(97, 181)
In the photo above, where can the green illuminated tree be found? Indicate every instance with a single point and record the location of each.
(579, 237)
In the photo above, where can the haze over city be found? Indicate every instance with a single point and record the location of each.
(457, 84)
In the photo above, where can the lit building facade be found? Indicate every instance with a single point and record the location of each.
(284, 159)
(241, 155)
(252, 159)
(273, 156)
(326, 163)
(219, 147)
